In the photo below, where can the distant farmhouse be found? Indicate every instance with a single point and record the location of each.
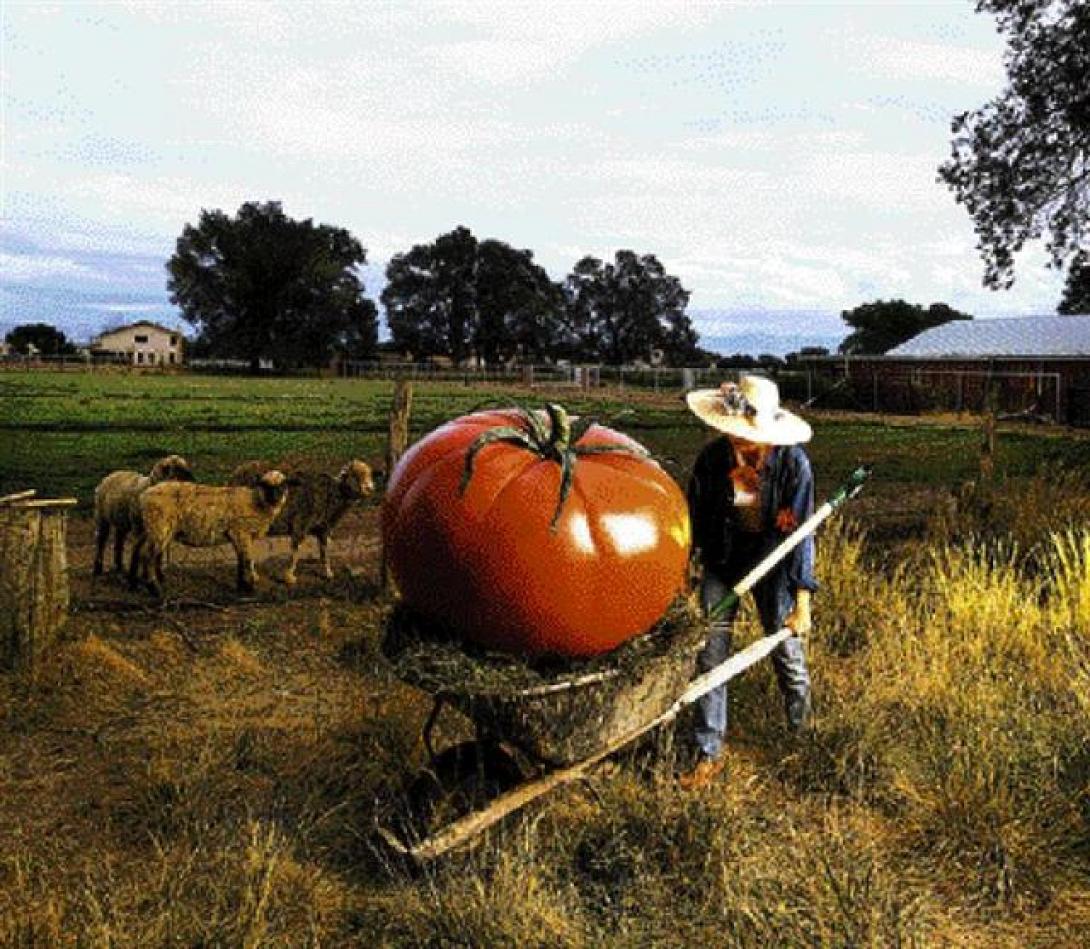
(140, 344)
(1035, 366)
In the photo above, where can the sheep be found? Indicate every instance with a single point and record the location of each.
(202, 515)
(314, 507)
(116, 504)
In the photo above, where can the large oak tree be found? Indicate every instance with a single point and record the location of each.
(462, 298)
(1021, 163)
(261, 285)
(624, 310)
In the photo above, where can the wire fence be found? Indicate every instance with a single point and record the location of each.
(77, 362)
(647, 378)
(1041, 396)
(1037, 396)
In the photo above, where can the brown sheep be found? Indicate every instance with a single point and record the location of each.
(117, 508)
(202, 515)
(315, 506)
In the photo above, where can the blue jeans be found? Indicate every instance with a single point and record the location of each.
(774, 597)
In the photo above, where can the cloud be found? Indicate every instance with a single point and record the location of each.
(123, 307)
(780, 156)
(894, 57)
(31, 267)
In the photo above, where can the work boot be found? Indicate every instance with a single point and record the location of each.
(702, 773)
(798, 712)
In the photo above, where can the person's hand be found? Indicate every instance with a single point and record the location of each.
(695, 571)
(798, 620)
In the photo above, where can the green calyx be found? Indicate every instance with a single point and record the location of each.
(551, 436)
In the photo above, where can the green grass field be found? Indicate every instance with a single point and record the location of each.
(60, 433)
(211, 773)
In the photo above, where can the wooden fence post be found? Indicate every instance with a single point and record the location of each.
(33, 577)
(396, 443)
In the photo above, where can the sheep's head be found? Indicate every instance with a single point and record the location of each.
(356, 480)
(171, 468)
(273, 487)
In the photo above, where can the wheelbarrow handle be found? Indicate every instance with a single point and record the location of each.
(849, 489)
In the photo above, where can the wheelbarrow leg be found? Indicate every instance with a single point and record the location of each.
(429, 725)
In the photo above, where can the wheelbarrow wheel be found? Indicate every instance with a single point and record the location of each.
(460, 780)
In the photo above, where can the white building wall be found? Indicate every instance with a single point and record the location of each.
(144, 345)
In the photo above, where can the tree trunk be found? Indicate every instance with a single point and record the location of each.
(33, 580)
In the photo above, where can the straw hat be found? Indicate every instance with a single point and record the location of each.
(749, 409)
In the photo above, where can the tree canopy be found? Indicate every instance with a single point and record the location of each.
(881, 325)
(461, 297)
(46, 339)
(625, 310)
(263, 285)
(1076, 295)
(1021, 163)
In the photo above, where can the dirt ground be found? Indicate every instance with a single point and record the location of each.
(152, 725)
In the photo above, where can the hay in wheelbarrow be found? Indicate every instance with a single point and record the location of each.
(558, 712)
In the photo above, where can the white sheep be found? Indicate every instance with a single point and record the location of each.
(203, 515)
(315, 506)
(116, 504)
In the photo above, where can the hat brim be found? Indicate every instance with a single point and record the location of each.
(778, 428)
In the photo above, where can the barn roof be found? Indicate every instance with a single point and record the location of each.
(1012, 336)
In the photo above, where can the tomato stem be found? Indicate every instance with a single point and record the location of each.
(560, 430)
(555, 444)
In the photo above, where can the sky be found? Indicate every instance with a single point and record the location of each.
(779, 158)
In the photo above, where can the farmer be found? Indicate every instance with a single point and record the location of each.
(749, 490)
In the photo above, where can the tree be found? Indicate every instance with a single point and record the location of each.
(1021, 163)
(262, 285)
(1076, 296)
(622, 311)
(47, 340)
(520, 309)
(881, 325)
(462, 297)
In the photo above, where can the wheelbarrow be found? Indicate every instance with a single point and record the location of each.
(538, 732)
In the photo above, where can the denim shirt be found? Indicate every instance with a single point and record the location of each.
(787, 499)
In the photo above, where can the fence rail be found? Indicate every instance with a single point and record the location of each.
(1044, 396)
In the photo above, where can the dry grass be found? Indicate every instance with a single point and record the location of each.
(213, 777)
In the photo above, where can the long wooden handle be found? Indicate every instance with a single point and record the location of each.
(466, 827)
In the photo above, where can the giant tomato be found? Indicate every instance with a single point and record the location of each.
(524, 534)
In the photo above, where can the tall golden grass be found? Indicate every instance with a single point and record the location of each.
(942, 796)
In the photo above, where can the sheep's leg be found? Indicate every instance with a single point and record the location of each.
(157, 584)
(148, 559)
(246, 573)
(136, 561)
(120, 533)
(289, 575)
(323, 547)
(102, 537)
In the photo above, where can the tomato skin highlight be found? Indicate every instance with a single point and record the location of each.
(489, 564)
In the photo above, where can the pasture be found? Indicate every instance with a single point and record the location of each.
(211, 772)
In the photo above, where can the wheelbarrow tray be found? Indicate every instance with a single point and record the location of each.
(557, 716)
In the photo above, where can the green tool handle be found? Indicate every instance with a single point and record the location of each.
(849, 489)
